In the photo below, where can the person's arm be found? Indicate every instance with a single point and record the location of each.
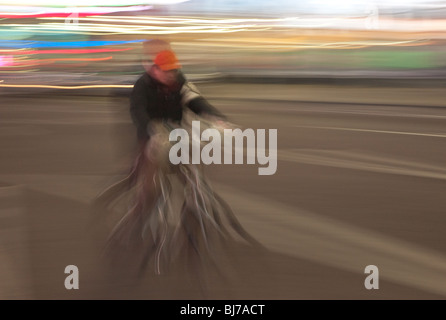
(138, 108)
(193, 99)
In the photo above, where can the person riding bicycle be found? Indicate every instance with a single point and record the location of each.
(158, 101)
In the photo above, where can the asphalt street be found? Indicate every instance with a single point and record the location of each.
(360, 181)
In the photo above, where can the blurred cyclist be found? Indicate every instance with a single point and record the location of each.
(158, 102)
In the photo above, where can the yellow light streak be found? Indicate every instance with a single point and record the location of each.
(66, 87)
(2, 51)
(134, 30)
(19, 71)
(171, 20)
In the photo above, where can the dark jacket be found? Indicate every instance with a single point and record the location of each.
(151, 100)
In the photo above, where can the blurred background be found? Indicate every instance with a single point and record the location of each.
(99, 42)
(355, 88)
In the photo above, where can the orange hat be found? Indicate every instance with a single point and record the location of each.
(167, 60)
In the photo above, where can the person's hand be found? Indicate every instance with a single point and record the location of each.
(222, 124)
(217, 123)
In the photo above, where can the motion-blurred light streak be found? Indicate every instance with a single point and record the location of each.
(14, 12)
(223, 38)
(65, 87)
(62, 44)
(70, 51)
(88, 3)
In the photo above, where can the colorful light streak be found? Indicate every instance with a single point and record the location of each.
(6, 61)
(37, 12)
(125, 29)
(66, 51)
(66, 87)
(21, 63)
(88, 3)
(61, 44)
